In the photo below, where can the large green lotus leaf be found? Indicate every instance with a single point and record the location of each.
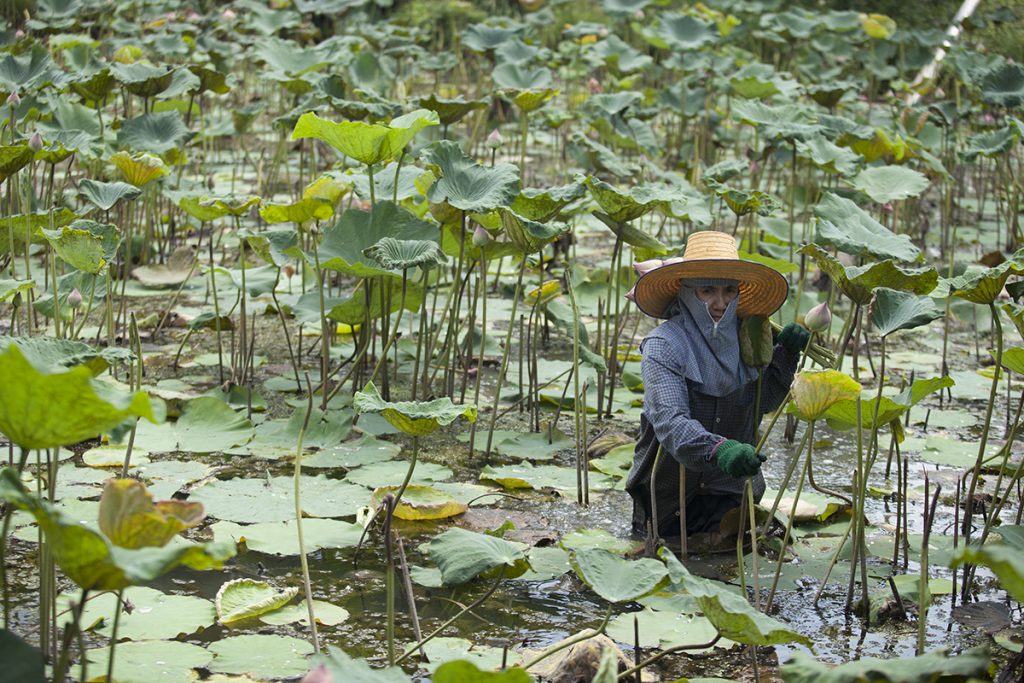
(301, 212)
(483, 37)
(787, 121)
(529, 236)
(890, 183)
(12, 288)
(543, 204)
(990, 143)
(743, 202)
(281, 538)
(523, 475)
(1005, 560)
(367, 143)
(667, 629)
(339, 666)
(1004, 85)
(277, 246)
(47, 410)
(615, 578)
(467, 185)
(207, 425)
(151, 661)
(13, 158)
(375, 475)
(157, 133)
(140, 168)
(272, 499)
(732, 615)
(345, 241)
(843, 415)
(210, 79)
(416, 418)
(420, 502)
(91, 561)
(815, 392)
(847, 227)
(277, 439)
(30, 70)
(760, 81)
(324, 612)
(261, 656)
(106, 195)
(143, 80)
(366, 450)
(48, 354)
(23, 663)
(460, 671)
(638, 200)
(244, 598)
(154, 616)
(828, 157)
(859, 282)
(894, 310)
(130, 518)
(938, 665)
(463, 555)
(683, 32)
(489, 659)
(394, 254)
(983, 285)
(1013, 359)
(80, 249)
(353, 311)
(449, 110)
(26, 227)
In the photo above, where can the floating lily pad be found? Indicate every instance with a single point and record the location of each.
(112, 455)
(325, 614)
(392, 472)
(208, 425)
(151, 661)
(665, 629)
(244, 598)
(262, 656)
(250, 500)
(616, 579)
(463, 555)
(524, 476)
(281, 538)
(420, 502)
(154, 615)
(417, 418)
(366, 450)
(597, 538)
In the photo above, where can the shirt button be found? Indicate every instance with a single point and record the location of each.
(717, 420)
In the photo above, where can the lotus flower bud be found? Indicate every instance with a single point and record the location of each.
(36, 142)
(288, 270)
(19, 34)
(594, 86)
(818, 318)
(639, 15)
(494, 139)
(643, 267)
(13, 99)
(229, 14)
(481, 238)
(887, 207)
(75, 298)
(193, 16)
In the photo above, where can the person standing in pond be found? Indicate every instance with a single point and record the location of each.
(699, 395)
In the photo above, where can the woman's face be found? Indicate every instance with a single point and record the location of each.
(717, 298)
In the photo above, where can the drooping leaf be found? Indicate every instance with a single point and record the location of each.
(463, 555)
(244, 598)
(402, 254)
(23, 663)
(416, 418)
(130, 518)
(815, 392)
(139, 169)
(13, 158)
(301, 212)
(466, 184)
(894, 310)
(106, 195)
(859, 282)
(78, 248)
(529, 236)
(983, 285)
(845, 226)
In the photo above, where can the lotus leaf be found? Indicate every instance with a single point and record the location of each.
(786, 121)
(394, 254)
(80, 249)
(367, 143)
(345, 241)
(23, 663)
(845, 226)
(450, 110)
(416, 418)
(665, 629)
(48, 410)
(9, 289)
(1006, 560)
(92, 561)
(933, 666)
(384, 473)
(894, 310)
(615, 578)
(157, 133)
(463, 555)
(106, 195)
(467, 185)
(1013, 359)
(281, 538)
(683, 32)
(274, 246)
(241, 599)
(301, 212)
(30, 70)
(743, 202)
(460, 671)
(325, 614)
(983, 285)
(142, 80)
(339, 666)
(151, 661)
(529, 236)
(859, 282)
(13, 158)
(637, 201)
(139, 169)
(272, 499)
(353, 310)
(207, 425)
(47, 354)
(179, 267)
(843, 415)
(262, 656)
(420, 502)
(815, 392)
(154, 615)
(1004, 85)
(130, 518)
(731, 614)
(543, 204)
(890, 183)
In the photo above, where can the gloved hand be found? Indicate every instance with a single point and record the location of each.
(794, 337)
(738, 459)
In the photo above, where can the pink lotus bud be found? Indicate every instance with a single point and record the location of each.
(630, 294)
(639, 15)
(887, 207)
(818, 318)
(754, 167)
(494, 139)
(193, 16)
(13, 99)
(988, 119)
(481, 238)
(229, 14)
(19, 34)
(75, 298)
(320, 674)
(647, 266)
(594, 86)
(36, 141)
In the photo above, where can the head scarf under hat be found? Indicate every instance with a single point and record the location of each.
(715, 345)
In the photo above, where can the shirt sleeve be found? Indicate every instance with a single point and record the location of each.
(778, 377)
(667, 407)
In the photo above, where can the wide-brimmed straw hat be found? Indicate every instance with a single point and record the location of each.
(713, 255)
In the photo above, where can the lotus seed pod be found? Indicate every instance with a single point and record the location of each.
(75, 298)
(642, 267)
(36, 142)
(818, 318)
(481, 238)
(494, 140)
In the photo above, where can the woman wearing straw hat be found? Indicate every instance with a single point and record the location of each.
(699, 395)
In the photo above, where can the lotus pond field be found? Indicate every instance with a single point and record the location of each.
(319, 360)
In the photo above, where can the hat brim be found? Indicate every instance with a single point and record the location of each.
(763, 290)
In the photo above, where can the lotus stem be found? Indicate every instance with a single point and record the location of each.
(809, 439)
(668, 651)
(296, 481)
(504, 359)
(113, 635)
(923, 594)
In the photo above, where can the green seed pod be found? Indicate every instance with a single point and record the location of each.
(756, 346)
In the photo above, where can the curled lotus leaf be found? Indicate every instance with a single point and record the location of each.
(860, 282)
(467, 185)
(367, 143)
(450, 110)
(529, 236)
(983, 285)
(815, 392)
(130, 518)
(78, 248)
(543, 204)
(847, 227)
(403, 254)
(416, 418)
(243, 598)
(106, 195)
(13, 158)
(139, 169)
(420, 502)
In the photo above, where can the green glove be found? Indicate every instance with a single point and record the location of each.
(794, 338)
(738, 459)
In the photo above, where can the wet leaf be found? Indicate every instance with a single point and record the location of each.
(338, 667)
(262, 656)
(244, 598)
